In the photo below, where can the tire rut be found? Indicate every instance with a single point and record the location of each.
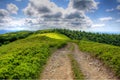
(58, 66)
(92, 68)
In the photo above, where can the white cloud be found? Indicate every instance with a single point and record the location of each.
(8, 22)
(71, 17)
(84, 5)
(44, 14)
(109, 10)
(105, 19)
(40, 8)
(118, 7)
(118, 0)
(98, 25)
(118, 20)
(12, 8)
(4, 15)
(18, 0)
(13, 24)
(17, 22)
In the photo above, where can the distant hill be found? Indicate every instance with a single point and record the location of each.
(55, 36)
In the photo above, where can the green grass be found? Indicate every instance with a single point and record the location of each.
(25, 58)
(54, 36)
(109, 54)
(76, 69)
(71, 48)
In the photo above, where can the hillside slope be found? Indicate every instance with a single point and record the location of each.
(24, 59)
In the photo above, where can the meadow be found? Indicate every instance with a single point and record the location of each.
(25, 58)
(23, 55)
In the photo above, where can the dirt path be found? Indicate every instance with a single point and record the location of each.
(93, 69)
(58, 66)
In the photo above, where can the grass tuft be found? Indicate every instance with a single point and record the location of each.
(78, 75)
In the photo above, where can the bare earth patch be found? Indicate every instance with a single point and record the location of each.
(59, 66)
(92, 68)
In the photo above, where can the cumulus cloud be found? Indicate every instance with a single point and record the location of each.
(4, 15)
(84, 5)
(105, 19)
(56, 17)
(109, 10)
(8, 22)
(78, 19)
(75, 15)
(45, 23)
(13, 24)
(30, 11)
(118, 7)
(12, 8)
(44, 14)
(39, 8)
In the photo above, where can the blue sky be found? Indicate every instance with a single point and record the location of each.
(87, 15)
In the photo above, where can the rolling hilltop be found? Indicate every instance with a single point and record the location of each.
(28, 55)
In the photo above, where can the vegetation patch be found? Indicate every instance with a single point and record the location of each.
(10, 37)
(25, 59)
(113, 39)
(109, 54)
(54, 36)
(76, 69)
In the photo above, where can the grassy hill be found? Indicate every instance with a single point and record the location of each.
(54, 36)
(27, 52)
(109, 54)
(25, 58)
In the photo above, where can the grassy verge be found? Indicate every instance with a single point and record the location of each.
(71, 48)
(109, 54)
(76, 69)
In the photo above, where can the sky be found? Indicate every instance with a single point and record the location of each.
(85, 15)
